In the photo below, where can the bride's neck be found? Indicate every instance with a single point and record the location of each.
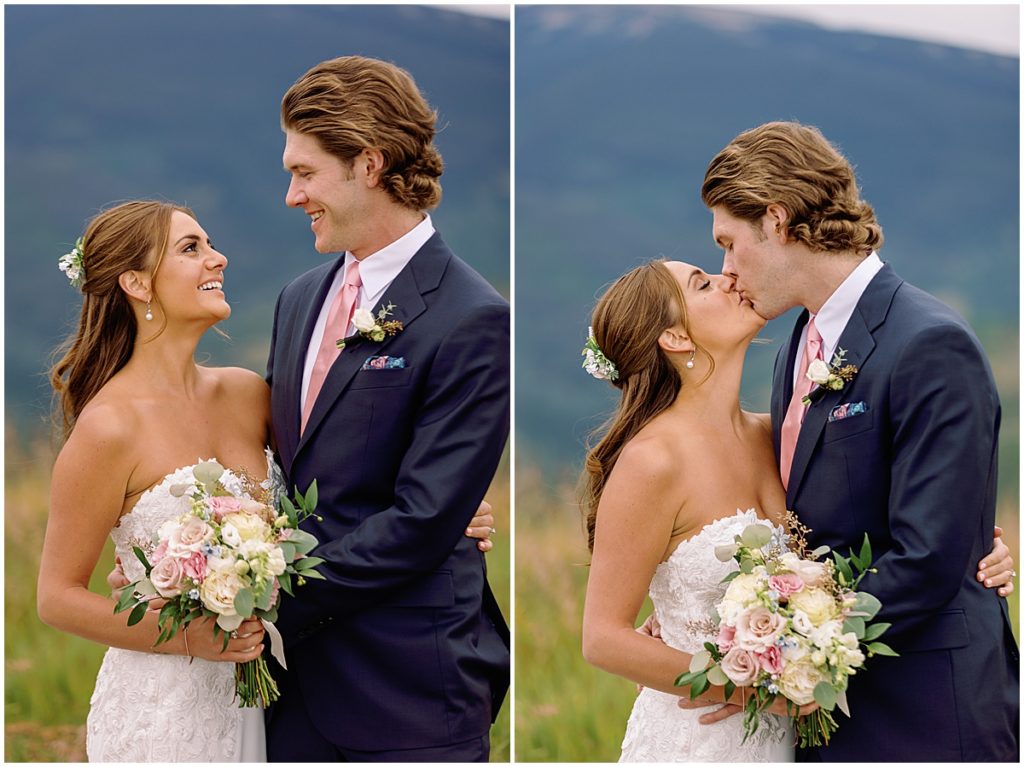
(712, 397)
(166, 362)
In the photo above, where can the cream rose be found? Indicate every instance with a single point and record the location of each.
(166, 577)
(250, 527)
(758, 628)
(363, 320)
(818, 605)
(818, 372)
(811, 573)
(219, 589)
(798, 680)
(741, 593)
(740, 666)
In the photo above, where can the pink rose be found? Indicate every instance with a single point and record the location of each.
(195, 567)
(188, 538)
(166, 577)
(758, 628)
(726, 635)
(740, 666)
(771, 660)
(220, 506)
(785, 584)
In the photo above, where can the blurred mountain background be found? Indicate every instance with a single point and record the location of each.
(108, 103)
(620, 109)
(618, 112)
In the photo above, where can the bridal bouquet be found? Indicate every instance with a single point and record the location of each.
(227, 557)
(790, 625)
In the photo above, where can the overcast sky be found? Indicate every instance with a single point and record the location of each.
(994, 28)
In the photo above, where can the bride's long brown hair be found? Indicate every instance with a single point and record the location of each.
(627, 322)
(130, 236)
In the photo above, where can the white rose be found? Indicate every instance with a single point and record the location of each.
(824, 634)
(798, 680)
(249, 526)
(230, 535)
(275, 562)
(811, 573)
(817, 604)
(818, 372)
(219, 589)
(363, 320)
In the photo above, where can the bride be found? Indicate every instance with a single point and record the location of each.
(138, 415)
(669, 481)
(678, 460)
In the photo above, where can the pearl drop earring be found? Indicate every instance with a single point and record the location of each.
(689, 362)
(149, 311)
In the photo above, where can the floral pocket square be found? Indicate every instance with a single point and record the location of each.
(383, 363)
(847, 410)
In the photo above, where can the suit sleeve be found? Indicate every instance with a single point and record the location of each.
(457, 442)
(273, 343)
(944, 421)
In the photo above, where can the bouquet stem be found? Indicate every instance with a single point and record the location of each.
(254, 685)
(815, 729)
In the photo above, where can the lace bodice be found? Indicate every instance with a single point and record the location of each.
(684, 590)
(150, 707)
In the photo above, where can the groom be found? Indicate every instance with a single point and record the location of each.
(401, 654)
(905, 451)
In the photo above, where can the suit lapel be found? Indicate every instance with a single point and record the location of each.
(858, 341)
(421, 275)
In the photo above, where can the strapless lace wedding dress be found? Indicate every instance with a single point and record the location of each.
(684, 590)
(150, 707)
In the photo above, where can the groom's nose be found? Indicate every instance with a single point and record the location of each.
(725, 282)
(295, 197)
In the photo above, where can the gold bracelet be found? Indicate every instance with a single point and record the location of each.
(184, 635)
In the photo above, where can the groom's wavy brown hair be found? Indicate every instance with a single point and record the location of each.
(130, 236)
(626, 323)
(795, 166)
(354, 103)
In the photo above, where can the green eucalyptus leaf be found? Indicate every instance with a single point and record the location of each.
(137, 613)
(820, 552)
(304, 542)
(730, 577)
(726, 552)
(717, 676)
(244, 603)
(286, 583)
(854, 624)
(747, 566)
(756, 535)
(311, 498)
(700, 660)
(730, 688)
(208, 472)
(866, 605)
(699, 685)
(825, 695)
(865, 552)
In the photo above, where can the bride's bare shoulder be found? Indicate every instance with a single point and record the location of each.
(762, 420)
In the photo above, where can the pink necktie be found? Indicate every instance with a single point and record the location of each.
(338, 319)
(795, 413)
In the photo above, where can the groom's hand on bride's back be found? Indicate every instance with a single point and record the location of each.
(996, 570)
(482, 527)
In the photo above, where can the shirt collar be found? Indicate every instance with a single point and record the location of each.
(835, 313)
(379, 269)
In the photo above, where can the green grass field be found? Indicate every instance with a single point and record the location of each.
(49, 676)
(567, 710)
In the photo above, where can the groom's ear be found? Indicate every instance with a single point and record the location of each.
(136, 284)
(373, 164)
(674, 341)
(777, 219)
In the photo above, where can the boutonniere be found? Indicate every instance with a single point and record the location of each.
(832, 377)
(372, 328)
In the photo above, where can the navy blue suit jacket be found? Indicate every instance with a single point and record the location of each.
(917, 472)
(403, 646)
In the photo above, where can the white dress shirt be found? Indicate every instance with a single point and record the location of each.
(831, 319)
(377, 271)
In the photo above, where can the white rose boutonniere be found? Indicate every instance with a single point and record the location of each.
(828, 378)
(372, 328)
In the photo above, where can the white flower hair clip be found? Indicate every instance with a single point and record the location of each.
(73, 265)
(594, 361)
